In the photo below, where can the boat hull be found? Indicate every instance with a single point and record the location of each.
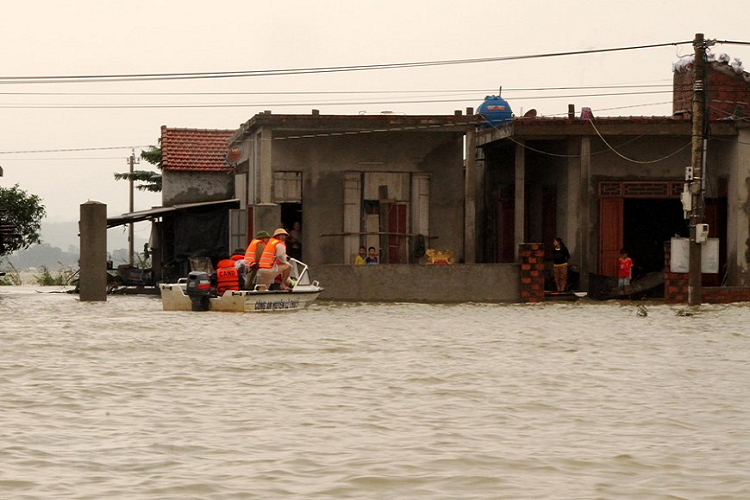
(174, 298)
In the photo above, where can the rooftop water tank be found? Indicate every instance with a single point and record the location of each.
(496, 111)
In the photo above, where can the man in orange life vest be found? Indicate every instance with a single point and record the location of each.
(252, 256)
(227, 276)
(273, 261)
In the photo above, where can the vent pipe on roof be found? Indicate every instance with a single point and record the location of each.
(571, 111)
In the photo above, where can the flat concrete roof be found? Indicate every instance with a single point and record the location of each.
(387, 122)
(560, 128)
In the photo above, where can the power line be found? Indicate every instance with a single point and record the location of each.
(314, 103)
(343, 92)
(310, 70)
(732, 42)
(71, 149)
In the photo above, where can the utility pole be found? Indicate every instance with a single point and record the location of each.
(131, 250)
(696, 181)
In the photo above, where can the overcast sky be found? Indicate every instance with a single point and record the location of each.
(104, 37)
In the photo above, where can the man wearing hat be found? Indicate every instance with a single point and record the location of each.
(252, 256)
(273, 261)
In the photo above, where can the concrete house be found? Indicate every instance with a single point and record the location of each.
(390, 181)
(605, 183)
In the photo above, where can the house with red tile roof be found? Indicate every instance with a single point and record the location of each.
(194, 168)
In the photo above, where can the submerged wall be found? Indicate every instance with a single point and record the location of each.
(418, 283)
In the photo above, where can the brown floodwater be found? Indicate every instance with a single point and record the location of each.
(121, 400)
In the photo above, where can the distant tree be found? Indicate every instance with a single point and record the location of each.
(21, 217)
(150, 180)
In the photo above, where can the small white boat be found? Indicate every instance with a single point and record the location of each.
(193, 294)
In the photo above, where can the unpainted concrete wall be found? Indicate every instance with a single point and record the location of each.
(418, 283)
(323, 162)
(195, 187)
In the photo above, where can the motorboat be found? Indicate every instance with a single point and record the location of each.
(195, 293)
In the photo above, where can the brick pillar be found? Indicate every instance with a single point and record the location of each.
(675, 284)
(532, 272)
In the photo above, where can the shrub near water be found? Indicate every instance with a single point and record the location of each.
(12, 276)
(63, 277)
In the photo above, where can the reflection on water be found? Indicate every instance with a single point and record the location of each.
(121, 400)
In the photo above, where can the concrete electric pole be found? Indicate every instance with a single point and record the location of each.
(696, 180)
(131, 250)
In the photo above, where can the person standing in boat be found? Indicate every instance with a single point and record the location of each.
(252, 256)
(560, 258)
(273, 261)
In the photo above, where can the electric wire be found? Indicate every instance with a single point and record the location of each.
(71, 149)
(344, 92)
(315, 103)
(631, 160)
(310, 70)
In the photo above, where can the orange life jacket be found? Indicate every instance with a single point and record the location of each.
(268, 258)
(250, 252)
(227, 277)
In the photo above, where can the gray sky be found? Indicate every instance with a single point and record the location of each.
(81, 37)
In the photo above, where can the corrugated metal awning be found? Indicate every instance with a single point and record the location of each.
(156, 212)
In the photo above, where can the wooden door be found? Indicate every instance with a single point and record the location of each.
(393, 216)
(610, 234)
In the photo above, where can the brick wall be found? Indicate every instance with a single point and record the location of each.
(532, 272)
(676, 287)
(728, 92)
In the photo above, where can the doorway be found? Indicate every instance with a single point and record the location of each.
(291, 219)
(647, 224)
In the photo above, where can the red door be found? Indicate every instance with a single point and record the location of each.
(610, 234)
(393, 220)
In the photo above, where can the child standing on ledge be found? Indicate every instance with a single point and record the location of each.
(625, 273)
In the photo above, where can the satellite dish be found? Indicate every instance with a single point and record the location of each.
(530, 114)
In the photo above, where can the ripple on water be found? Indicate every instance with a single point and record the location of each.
(122, 400)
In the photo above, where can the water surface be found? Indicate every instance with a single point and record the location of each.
(121, 400)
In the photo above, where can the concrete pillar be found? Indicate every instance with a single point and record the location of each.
(470, 199)
(265, 170)
(93, 263)
(520, 196)
(584, 205)
(738, 214)
(266, 217)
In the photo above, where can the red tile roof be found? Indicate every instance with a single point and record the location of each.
(194, 149)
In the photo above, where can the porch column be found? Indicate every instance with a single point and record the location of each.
(738, 215)
(519, 198)
(264, 168)
(470, 199)
(585, 209)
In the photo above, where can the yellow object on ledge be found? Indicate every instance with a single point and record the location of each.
(439, 256)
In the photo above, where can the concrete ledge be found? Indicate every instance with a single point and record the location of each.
(419, 283)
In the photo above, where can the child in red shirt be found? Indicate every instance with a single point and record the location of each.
(625, 272)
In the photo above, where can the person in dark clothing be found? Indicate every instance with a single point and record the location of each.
(560, 258)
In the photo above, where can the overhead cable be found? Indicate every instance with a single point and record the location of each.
(312, 70)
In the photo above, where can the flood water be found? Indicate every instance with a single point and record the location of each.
(120, 400)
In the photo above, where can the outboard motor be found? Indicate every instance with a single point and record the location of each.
(198, 288)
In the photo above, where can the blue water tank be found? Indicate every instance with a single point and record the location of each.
(496, 111)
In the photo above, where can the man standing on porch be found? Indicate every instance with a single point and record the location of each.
(560, 258)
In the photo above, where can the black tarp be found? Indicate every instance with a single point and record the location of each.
(201, 233)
